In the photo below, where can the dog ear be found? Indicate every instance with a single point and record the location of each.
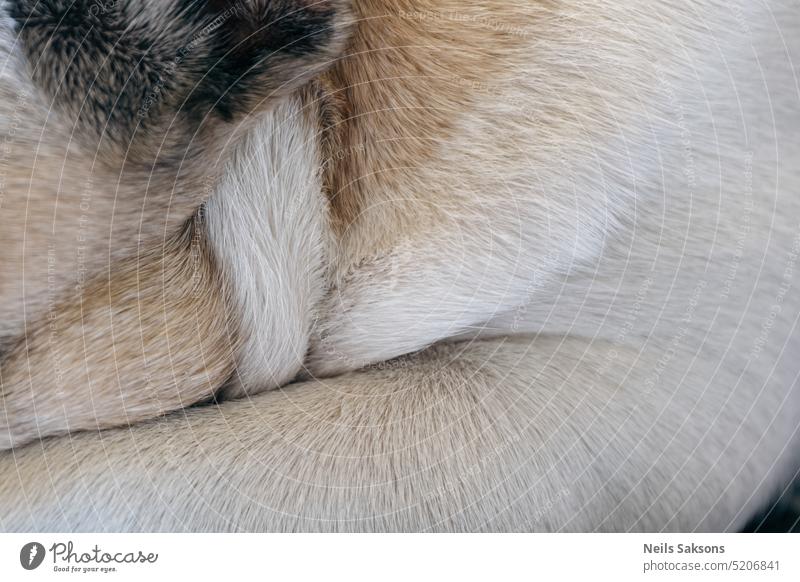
(104, 61)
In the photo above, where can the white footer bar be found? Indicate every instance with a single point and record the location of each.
(153, 557)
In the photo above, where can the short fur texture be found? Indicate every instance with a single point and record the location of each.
(551, 288)
(118, 119)
(271, 241)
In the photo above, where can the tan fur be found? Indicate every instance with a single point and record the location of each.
(88, 234)
(588, 178)
(508, 435)
(470, 128)
(104, 298)
(149, 337)
(412, 69)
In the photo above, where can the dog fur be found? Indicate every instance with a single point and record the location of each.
(590, 208)
(102, 286)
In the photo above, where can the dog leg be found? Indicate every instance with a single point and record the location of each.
(147, 338)
(506, 435)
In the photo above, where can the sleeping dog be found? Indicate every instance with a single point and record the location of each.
(446, 265)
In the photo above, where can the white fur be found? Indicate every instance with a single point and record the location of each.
(551, 163)
(268, 233)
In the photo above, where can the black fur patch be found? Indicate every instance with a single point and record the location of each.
(94, 63)
(256, 40)
(118, 63)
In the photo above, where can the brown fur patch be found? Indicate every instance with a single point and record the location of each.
(412, 69)
(148, 338)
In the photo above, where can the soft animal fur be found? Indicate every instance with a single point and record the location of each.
(117, 116)
(591, 208)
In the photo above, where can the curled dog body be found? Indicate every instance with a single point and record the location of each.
(530, 262)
